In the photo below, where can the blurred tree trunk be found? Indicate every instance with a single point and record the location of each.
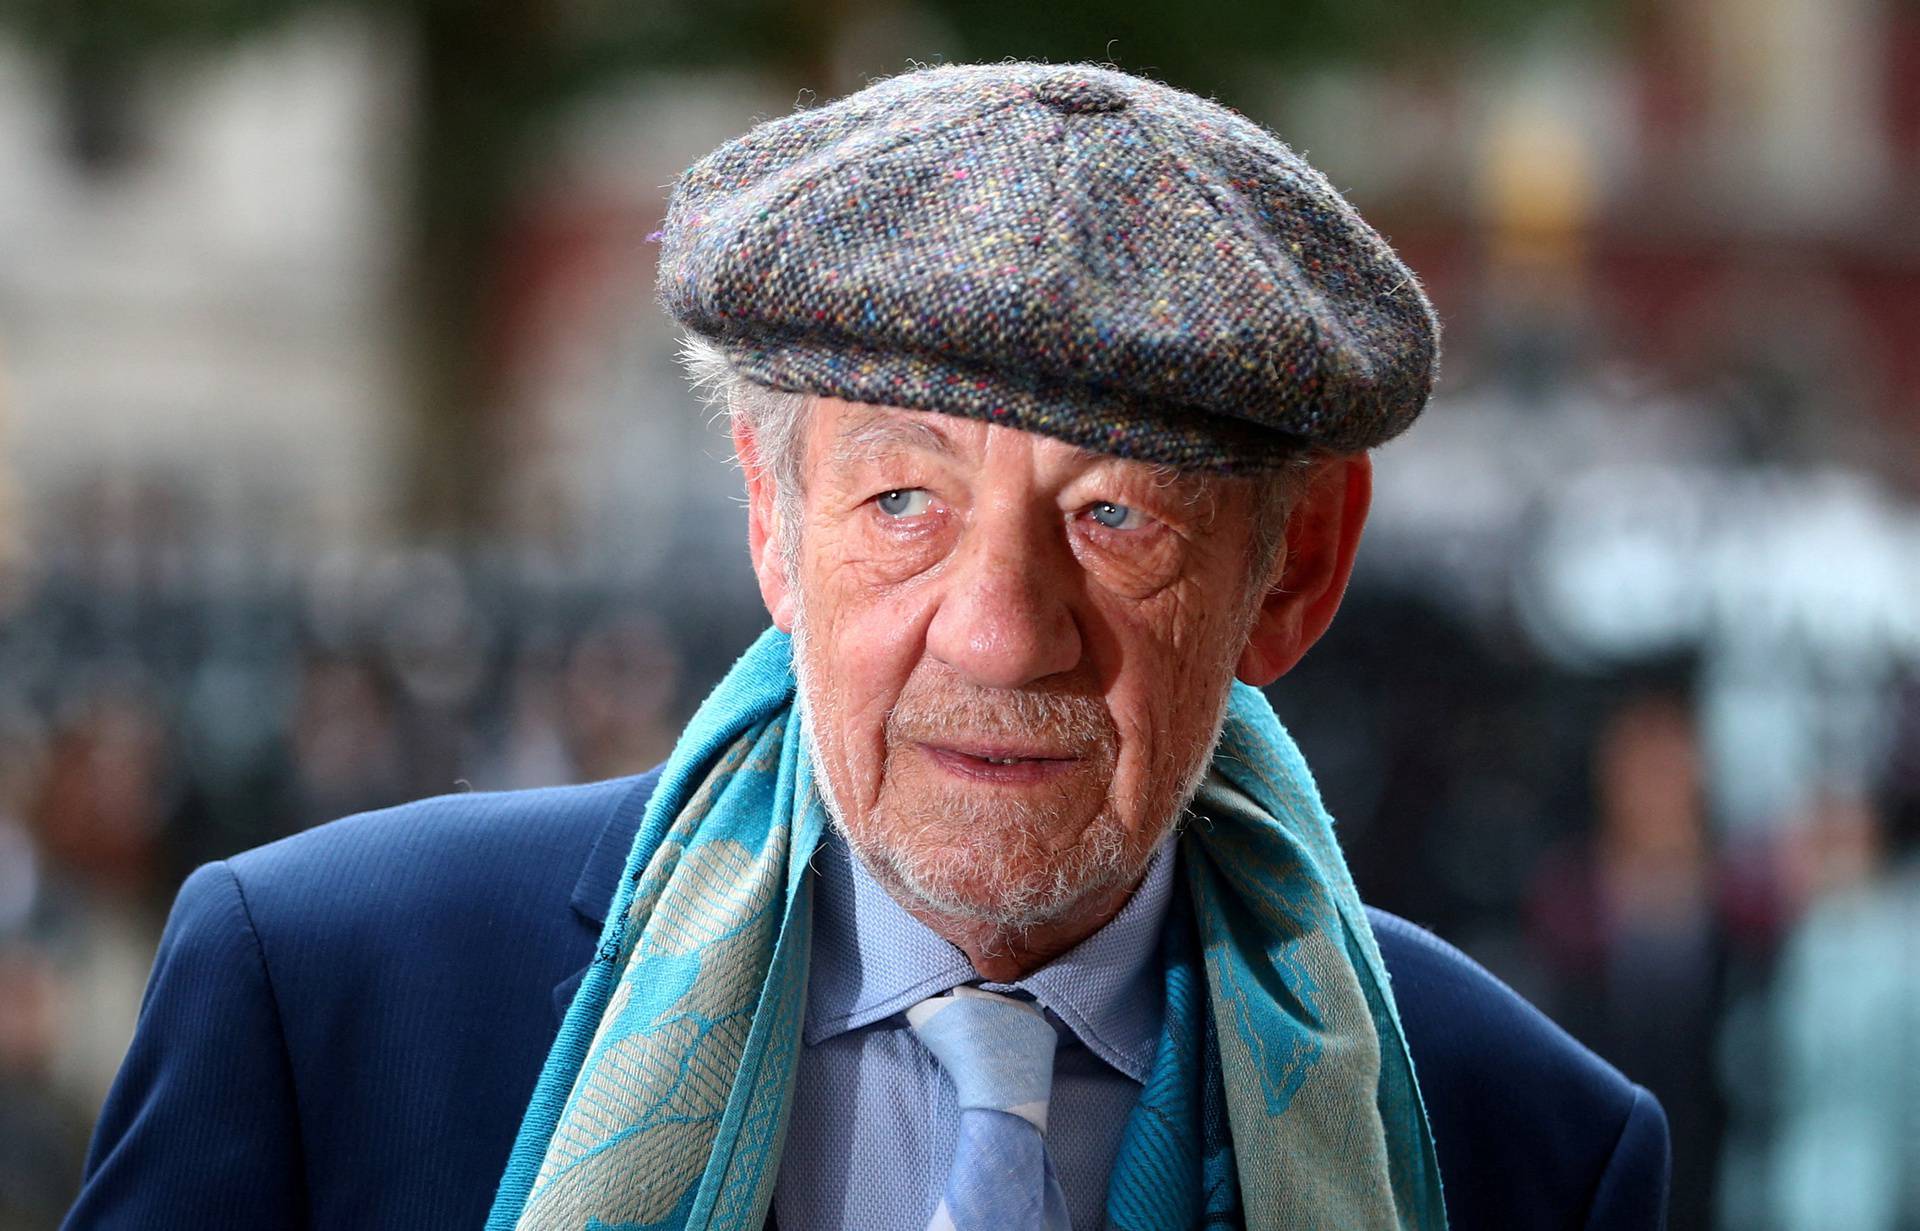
(490, 81)
(471, 72)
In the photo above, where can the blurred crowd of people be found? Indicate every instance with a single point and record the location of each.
(153, 718)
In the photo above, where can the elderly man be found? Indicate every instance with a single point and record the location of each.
(1052, 388)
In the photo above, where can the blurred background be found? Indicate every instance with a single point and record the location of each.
(344, 459)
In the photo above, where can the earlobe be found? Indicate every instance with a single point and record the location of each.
(1323, 536)
(774, 591)
(763, 538)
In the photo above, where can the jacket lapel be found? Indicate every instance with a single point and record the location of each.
(593, 892)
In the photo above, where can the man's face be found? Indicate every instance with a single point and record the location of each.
(1014, 654)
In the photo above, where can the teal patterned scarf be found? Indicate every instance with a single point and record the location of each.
(1281, 1095)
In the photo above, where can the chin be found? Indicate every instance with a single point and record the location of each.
(993, 870)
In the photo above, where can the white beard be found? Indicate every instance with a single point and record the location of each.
(990, 867)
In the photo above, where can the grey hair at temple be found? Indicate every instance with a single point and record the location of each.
(774, 418)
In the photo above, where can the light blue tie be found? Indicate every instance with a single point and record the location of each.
(999, 1053)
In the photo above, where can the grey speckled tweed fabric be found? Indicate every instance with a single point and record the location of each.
(1063, 249)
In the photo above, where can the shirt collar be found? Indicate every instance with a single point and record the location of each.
(872, 959)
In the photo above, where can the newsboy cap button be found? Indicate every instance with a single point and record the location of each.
(1074, 92)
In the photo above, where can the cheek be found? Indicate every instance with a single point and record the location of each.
(862, 645)
(1167, 692)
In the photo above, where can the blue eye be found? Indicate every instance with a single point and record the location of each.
(1116, 516)
(906, 502)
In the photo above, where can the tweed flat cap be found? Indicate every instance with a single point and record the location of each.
(1063, 249)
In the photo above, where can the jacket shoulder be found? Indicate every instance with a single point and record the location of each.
(373, 992)
(1531, 1127)
(467, 863)
(204, 1078)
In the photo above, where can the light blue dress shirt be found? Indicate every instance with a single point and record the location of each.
(871, 1134)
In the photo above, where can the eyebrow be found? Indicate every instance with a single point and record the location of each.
(880, 433)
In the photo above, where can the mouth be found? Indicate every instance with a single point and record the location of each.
(999, 764)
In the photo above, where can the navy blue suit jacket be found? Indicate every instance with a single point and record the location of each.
(342, 1030)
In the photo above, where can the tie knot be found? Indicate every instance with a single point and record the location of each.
(997, 1050)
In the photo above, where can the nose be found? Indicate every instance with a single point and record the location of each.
(1006, 612)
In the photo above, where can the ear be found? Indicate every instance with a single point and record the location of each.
(762, 530)
(1310, 576)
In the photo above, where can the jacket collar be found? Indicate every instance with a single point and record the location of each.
(593, 892)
